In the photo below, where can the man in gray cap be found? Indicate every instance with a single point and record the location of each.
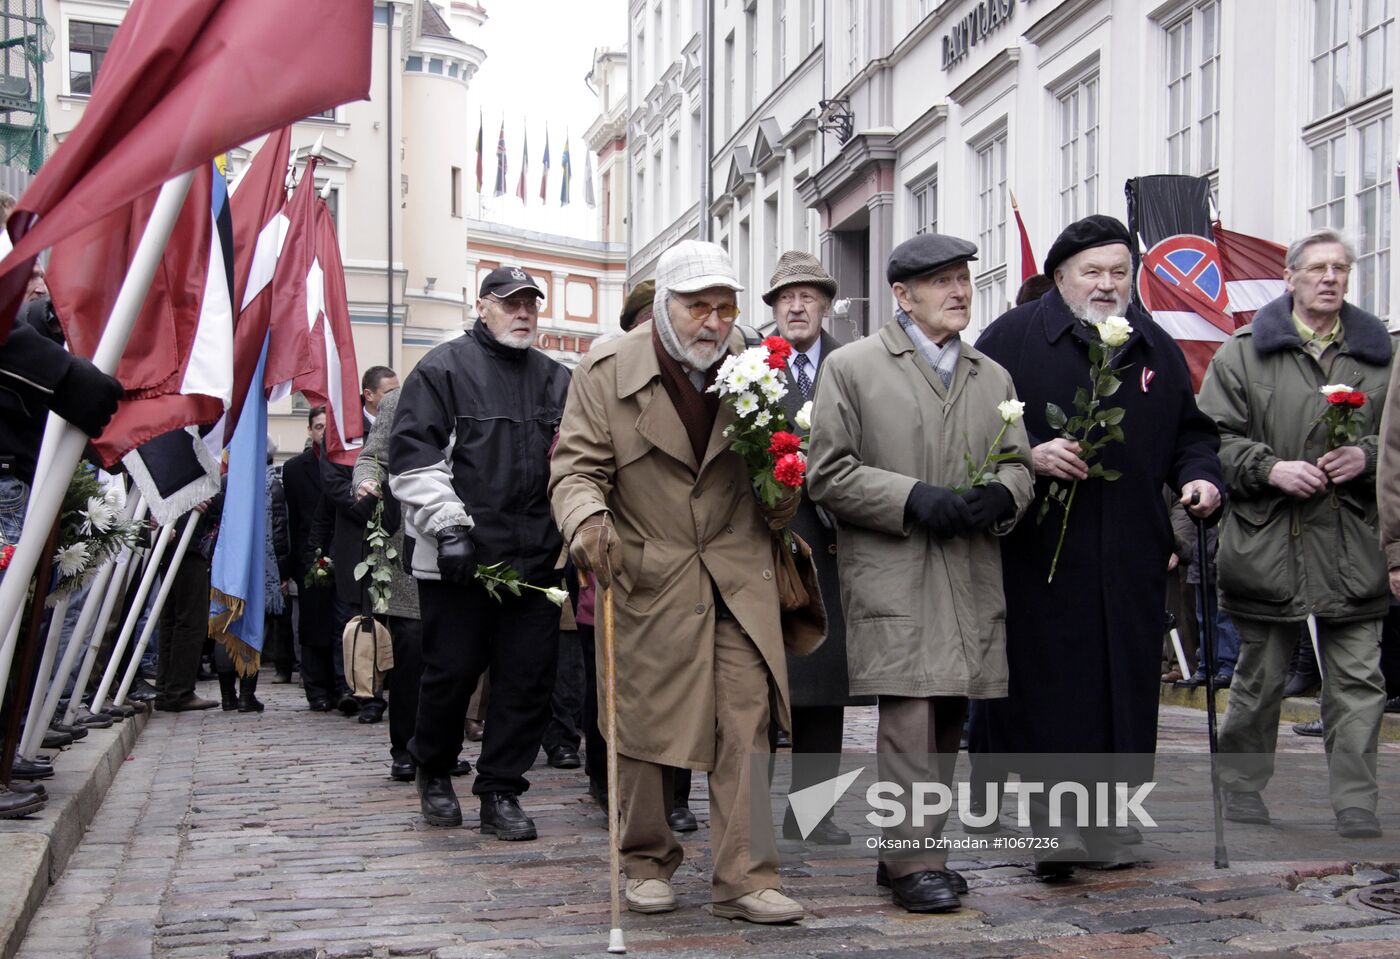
(653, 502)
(920, 564)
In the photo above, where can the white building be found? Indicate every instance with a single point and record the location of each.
(890, 117)
(607, 138)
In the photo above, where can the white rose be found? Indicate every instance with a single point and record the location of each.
(746, 404)
(1114, 331)
(1011, 410)
(556, 595)
(1331, 388)
(803, 419)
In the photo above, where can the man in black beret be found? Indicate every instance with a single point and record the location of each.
(1092, 636)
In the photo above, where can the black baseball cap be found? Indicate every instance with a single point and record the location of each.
(507, 281)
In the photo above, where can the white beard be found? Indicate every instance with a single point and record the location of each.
(697, 356)
(516, 341)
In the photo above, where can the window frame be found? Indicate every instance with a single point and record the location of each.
(95, 54)
(1080, 174)
(923, 202)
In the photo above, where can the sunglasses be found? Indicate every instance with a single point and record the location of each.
(700, 312)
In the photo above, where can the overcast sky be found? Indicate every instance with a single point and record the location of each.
(538, 53)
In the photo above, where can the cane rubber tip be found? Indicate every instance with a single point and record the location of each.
(615, 942)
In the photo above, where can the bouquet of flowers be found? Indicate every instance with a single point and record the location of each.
(499, 576)
(376, 564)
(1342, 418)
(320, 573)
(1091, 417)
(1010, 411)
(752, 384)
(91, 530)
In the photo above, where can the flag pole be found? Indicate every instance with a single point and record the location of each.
(165, 586)
(39, 689)
(133, 614)
(121, 579)
(64, 446)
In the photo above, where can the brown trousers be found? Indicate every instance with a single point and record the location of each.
(741, 823)
(917, 741)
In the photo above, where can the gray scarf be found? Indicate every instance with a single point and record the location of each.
(942, 359)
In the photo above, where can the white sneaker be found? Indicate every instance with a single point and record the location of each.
(765, 905)
(650, 895)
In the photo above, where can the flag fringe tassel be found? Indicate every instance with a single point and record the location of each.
(166, 510)
(246, 659)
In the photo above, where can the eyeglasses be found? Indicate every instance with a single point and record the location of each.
(700, 312)
(1318, 270)
(530, 303)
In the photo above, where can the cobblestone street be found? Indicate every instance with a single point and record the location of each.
(282, 836)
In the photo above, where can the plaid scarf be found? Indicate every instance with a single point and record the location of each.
(696, 409)
(942, 359)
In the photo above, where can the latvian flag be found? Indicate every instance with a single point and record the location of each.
(1253, 271)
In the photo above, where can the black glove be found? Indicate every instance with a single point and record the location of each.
(363, 509)
(455, 554)
(86, 397)
(944, 512)
(988, 504)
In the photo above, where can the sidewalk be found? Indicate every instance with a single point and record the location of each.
(280, 836)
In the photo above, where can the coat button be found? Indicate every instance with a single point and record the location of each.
(729, 529)
(767, 574)
(831, 549)
(699, 609)
(701, 547)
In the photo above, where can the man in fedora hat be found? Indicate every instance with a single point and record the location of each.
(800, 294)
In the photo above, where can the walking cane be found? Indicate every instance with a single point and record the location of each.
(615, 944)
(1222, 859)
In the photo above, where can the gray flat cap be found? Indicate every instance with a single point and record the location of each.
(927, 253)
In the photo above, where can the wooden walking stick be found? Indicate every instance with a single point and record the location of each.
(1222, 858)
(615, 944)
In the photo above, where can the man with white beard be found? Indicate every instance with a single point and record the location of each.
(469, 463)
(656, 505)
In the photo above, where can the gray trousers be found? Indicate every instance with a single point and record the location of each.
(1353, 701)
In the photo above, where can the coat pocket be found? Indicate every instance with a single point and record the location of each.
(1364, 576)
(1254, 559)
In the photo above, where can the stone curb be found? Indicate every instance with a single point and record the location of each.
(35, 850)
(1298, 709)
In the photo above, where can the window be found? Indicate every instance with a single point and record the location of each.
(779, 42)
(1350, 188)
(658, 212)
(675, 148)
(729, 84)
(1341, 74)
(925, 204)
(800, 229)
(332, 203)
(1327, 199)
(639, 207)
(750, 58)
(639, 47)
(1079, 149)
(742, 256)
(852, 37)
(456, 191)
(87, 46)
(990, 283)
(1193, 90)
(657, 38)
(772, 240)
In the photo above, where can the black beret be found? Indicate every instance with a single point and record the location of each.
(927, 253)
(638, 300)
(1094, 230)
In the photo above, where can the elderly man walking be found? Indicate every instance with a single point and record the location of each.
(1300, 536)
(1084, 647)
(654, 502)
(469, 463)
(920, 564)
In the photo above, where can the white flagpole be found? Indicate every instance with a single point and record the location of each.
(66, 444)
(96, 598)
(132, 616)
(31, 720)
(156, 607)
(120, 580)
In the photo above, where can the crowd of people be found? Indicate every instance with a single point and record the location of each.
(957, 601)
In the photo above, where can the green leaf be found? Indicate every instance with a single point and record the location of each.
(1109, 386)
(361, 569)
(1111, 416)
(391, 553)
(1054, 416)
(1096, 470)
(1114, 433)
(1111, 475)
(1082, 398)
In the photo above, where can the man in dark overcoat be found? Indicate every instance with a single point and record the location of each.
(1083, 651)
(800, 294)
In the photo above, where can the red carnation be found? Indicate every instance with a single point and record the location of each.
(776, 362)
(1356, 399)
(777, 346)
(790, 470)
(784, 443)
(5, 555)
(1339, 398)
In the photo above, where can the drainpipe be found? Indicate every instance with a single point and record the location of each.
(707, 120)
(389, 180)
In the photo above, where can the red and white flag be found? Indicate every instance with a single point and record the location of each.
(1253, 272)
(162, 106)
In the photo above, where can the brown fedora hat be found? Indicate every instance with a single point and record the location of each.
(798, 266)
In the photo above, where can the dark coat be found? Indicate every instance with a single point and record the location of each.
(1084, 652)
(301, 480)
(347, 541)
(820, 678)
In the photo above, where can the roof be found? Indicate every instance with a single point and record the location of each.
(433, 24)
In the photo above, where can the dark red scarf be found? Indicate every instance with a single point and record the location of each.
(697, 410)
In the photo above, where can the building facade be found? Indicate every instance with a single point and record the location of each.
(845, 126)
(607, 138)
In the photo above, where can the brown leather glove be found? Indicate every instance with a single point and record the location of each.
(595, 548)
(779, 516)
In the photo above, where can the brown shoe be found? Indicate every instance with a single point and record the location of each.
(475, 730)
(1171, 676)
(191, 702)
(762, 906)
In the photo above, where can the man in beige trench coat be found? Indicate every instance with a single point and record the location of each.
(652, 500)
(893, 424)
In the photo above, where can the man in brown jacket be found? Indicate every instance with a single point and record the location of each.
(652, 500)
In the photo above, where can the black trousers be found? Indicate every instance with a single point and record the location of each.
(322, 670)
(403, 684)
(465, 632)
(277, 641)
(565, 727)
(183, 627)
(595, 757)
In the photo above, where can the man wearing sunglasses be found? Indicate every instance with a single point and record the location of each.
(655, 503)
(468, 463)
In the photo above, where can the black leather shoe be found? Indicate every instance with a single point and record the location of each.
(463, 768)
(1299, 685)
(563, 757)
(1311, 728)
(92, 720)
(75, 730)
(1246, 807)
(1054, 871)
(142, 692)
(782, 740)
(348, 705)
(438, 800)
(955, 879)
(925, 892)
(1392, 705)
(403, 770)
(824, 833)
(1357, 823)
(1223, 680)
(53, 739)
(599, 794)
(228, 691)
(30, 770)
(371, 712)
(1192, 682)
(502, 817)
(319, 705)
(32, 789)
(681, 819)
(1127, 835)
(13, 805)
(250, 704)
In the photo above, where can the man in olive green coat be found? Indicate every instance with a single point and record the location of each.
(896, 418)
(1299, 538)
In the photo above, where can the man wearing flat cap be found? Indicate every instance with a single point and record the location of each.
(800, 294)
(896, 418)
(469, 464)
(1091, 638)
(654, 503)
